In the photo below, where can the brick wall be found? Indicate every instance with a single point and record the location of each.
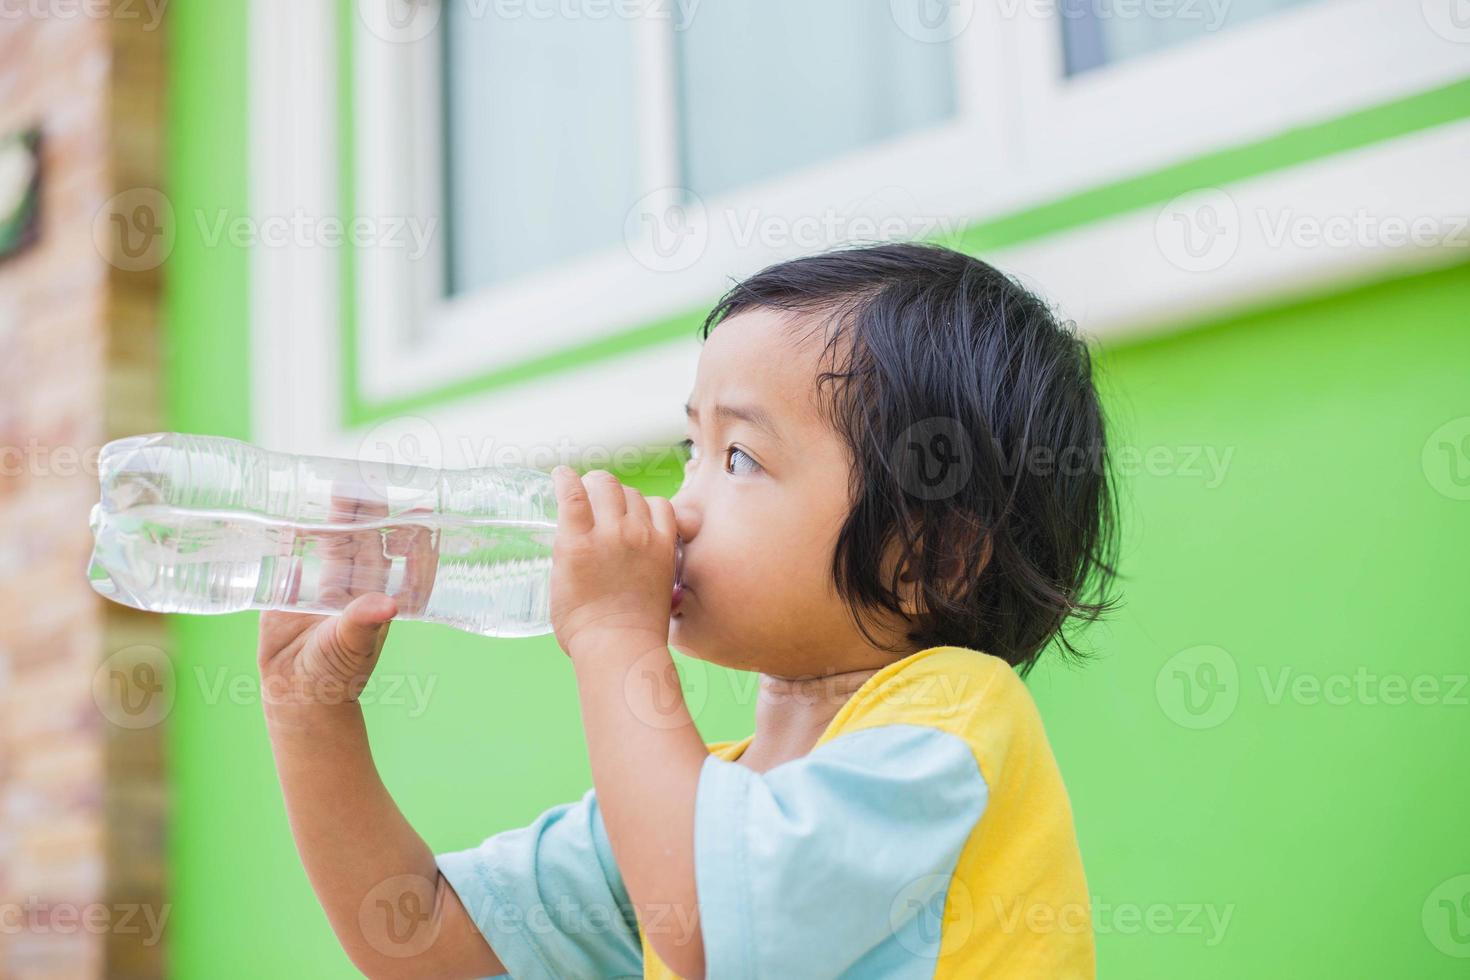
(82, 797)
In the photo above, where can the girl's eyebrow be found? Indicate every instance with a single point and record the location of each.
(753, 414)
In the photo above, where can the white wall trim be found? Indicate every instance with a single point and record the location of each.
(295, 308)
(1245, 83)
(1282, 235)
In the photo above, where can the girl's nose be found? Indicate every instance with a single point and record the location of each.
(685, 521)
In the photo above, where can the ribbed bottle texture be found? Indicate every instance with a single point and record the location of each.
(202, 524)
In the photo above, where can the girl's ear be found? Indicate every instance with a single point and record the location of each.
(951, 567)
(907, 590)
(908, 598)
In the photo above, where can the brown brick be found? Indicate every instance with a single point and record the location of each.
(83, 803)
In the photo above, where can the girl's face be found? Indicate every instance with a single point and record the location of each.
(765, 493)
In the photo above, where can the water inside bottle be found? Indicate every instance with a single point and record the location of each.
(490, 577)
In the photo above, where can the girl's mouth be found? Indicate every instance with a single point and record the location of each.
(678, 593)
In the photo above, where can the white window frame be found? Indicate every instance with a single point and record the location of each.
(1023, 134)
(1054, 136)
(412, 338)
(1191, 98)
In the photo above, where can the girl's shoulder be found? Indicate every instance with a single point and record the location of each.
(973, 695)
(941, 683)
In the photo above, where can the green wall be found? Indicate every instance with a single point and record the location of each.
(1323, 547)
(1320, 822)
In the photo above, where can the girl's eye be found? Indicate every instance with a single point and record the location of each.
(732, 451)
(686, 447)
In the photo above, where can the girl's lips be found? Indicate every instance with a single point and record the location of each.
(677, 597)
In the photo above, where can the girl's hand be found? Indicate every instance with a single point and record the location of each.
(612, 565)
(308, 658)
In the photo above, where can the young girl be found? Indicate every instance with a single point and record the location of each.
(895, 499)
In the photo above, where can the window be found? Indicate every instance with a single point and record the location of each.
(767, 87)
(554, 117)
(552, 139)
(541, 151)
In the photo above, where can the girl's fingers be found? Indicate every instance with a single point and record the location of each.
(599, 494)
(369, 564)
(573, 505)
(606, 494)
(293, 583)
(335, 548)
(662, 511)
(415, 544)
(637, 507)
(353, 561)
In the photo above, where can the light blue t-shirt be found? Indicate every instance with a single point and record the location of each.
(835, 864)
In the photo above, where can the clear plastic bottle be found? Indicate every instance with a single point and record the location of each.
(206, 524)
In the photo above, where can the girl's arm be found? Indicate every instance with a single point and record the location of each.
(612, 575)
(646, 757)
(392, 911)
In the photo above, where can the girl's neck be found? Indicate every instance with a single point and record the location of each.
(791, 713)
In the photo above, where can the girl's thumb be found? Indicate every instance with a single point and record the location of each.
(359, 625)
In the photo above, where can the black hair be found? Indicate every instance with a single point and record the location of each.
(979, 442)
